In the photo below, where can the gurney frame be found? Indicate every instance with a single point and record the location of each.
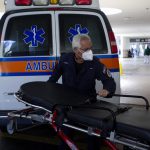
(51, 116)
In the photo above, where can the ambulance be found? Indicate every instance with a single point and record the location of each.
(35, 33)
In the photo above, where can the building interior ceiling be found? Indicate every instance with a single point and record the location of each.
(134, 21)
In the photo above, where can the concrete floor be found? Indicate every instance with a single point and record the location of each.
(135, 79)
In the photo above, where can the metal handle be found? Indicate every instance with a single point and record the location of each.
(134, 96)
(8, 93)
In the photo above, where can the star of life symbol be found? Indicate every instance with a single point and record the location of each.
(77, 30)
(34, 36)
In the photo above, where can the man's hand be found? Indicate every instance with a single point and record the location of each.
(103, 93)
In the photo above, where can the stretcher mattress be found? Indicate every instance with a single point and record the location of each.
(47, 95)
(133, 122)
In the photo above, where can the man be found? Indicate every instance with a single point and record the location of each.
(146, 55)
(80, 69)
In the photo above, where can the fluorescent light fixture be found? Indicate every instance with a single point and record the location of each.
(111, 11)
(1, 14)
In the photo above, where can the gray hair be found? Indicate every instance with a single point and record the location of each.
(77, 38)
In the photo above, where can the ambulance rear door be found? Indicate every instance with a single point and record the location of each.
(27, 52)
(94, 23)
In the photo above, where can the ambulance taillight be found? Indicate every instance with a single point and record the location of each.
(52, 2)
(83, 2)
(66, 2)
(41, 2)
(113, 43)
(23, 2)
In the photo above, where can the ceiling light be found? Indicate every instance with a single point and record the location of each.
(128, 18)
(111, 11)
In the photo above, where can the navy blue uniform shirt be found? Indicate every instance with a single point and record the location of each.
(83, 81)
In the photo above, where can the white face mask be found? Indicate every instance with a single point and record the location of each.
(88, 55)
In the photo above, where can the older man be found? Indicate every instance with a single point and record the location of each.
(80, 69)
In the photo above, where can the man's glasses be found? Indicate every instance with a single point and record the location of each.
(84, 50)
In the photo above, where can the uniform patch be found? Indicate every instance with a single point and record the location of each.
(109, 73)
(104, 70)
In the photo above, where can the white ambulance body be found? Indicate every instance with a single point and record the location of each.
(35, 33)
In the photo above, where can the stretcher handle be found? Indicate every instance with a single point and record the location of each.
(134, 96)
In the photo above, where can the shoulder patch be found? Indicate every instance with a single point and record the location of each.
(104, 70)
(109, 73)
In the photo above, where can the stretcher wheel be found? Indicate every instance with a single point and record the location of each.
(11, 126)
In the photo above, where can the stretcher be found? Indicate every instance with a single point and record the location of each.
(62, 107)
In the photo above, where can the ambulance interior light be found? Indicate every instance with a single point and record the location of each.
(23, 2)
(40, 2)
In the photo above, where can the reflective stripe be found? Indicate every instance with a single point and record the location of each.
(34, 66)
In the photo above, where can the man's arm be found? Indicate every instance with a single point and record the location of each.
(109, 85)
(56, 73)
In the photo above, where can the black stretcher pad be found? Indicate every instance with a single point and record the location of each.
(134, 122)
(47, 95)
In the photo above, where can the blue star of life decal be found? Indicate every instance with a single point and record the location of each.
(34, 36)
(77, 30)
